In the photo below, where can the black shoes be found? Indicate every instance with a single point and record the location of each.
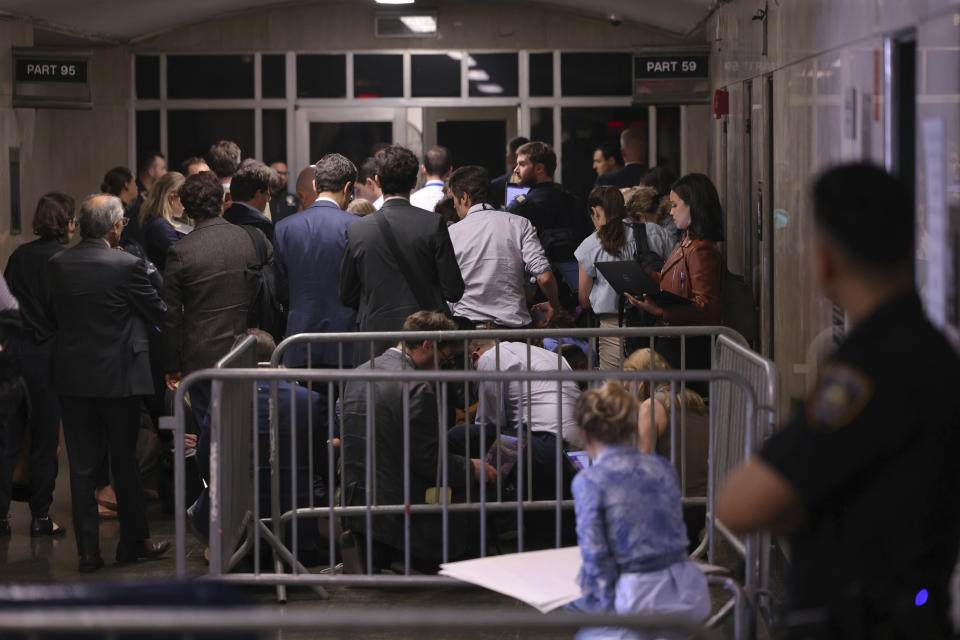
(4, 528)
(89, 564)
(45, 526)
(143, 550)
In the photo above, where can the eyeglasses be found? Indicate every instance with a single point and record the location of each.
(123, 222)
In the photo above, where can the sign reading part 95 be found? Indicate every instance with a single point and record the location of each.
(39, 70)
(670, 66)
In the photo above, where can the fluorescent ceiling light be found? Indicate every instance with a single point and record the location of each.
(478, 75)
(394, 1)
(420, 24)
(489, 88)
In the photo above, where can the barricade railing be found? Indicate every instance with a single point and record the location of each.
(241, 381)
(726, 454)
(272, 621)
(691, 347)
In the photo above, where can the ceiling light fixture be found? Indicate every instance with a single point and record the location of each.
(420, 24)
(489, 88)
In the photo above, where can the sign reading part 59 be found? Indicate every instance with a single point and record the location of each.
(667, 66)
(38, 70)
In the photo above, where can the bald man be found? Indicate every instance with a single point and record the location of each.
(633, 147)
(306, 187)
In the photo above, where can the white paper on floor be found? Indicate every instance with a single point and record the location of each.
(543, 579)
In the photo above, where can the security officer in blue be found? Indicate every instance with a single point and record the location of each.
(283, 203)
(865, 477)
(560, 221)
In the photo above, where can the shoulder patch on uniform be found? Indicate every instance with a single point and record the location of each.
(841, 394)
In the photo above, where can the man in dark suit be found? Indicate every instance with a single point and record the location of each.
(426, 535)
(633, 147)
(208, 289)
(104, 307)
(372, 276)
(308, 251)
(498, 186)
(250, 190)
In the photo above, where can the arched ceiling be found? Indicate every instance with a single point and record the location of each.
(130, 20)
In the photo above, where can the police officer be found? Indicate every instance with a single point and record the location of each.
(560, 221)
(283, 203)
(865, 476)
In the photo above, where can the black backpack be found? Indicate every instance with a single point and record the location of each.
(739, 307)
(627, 315)
(265, 311)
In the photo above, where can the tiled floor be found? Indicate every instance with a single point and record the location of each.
(26, 560)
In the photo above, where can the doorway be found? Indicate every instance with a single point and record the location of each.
(475, 135)
(356, 133)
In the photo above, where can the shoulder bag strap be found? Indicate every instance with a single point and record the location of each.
(258, 243)
(423, 300)
(640, 239)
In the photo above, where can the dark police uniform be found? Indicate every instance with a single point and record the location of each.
(560, 220)
(875, 459)
(285, 204)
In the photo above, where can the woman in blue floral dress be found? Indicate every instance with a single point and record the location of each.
(629, 522)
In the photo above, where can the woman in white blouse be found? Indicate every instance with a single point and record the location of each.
(612, 241)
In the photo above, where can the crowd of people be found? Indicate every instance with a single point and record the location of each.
(173, 266)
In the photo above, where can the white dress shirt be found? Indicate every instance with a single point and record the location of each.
(428, 197)
(544, 403)
(495, 251)
(378, 203)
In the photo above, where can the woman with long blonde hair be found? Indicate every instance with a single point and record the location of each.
(158, 217)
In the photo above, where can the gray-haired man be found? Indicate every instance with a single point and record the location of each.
(104, 306)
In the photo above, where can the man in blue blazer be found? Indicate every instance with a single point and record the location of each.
(308, 250)
(633, 146)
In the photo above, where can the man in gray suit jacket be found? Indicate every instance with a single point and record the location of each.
(104, 307)
(372, 275)
(208, 287)
(426, 535)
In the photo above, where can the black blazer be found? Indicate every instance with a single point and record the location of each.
(246, 216)
(29, 282)
(498, 189)
(629, 175)
(104, 306)
(426, 530)
(370, 279)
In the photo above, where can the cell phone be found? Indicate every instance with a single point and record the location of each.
(537, 316)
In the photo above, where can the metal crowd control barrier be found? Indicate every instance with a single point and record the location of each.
(728, 406)
(272, 621)
(226, 379)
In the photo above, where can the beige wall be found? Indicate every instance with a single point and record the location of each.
(348, 25)
(60, 149)
(822, 57)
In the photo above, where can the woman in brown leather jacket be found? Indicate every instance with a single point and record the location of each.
(694, 269)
